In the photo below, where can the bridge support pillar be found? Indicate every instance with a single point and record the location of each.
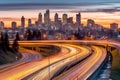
(32, 48)
(38, 49)
(108, 48)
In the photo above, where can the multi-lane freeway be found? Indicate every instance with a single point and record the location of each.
(48, 72)
(27, 56)
(84, 69)
(72, 42)
(46, 68)
(22, 71)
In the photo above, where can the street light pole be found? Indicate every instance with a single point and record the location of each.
(49, 65)
(76, 60)
(76, 54)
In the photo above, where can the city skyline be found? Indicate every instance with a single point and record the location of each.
(9, 20)
(103, 14)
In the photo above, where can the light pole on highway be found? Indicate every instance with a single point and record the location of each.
(76, 54)
(107, 48)
(49, 64)
(76, 59)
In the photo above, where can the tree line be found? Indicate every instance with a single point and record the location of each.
(5, 45)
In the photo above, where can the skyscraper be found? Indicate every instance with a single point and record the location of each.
(22, 21)
(14, 25)
(64, 19)
(56, 18)
(1, 25)
(29, 22)
(113, 26)
(78, 19)
(47, 17)
(40, 18)
(70, 20)
(90, 23)
(36, 23)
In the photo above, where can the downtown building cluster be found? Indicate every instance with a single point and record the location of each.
(60, 28)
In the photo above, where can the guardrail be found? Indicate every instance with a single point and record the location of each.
(94, 75)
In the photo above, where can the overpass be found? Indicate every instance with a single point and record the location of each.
(35, 45)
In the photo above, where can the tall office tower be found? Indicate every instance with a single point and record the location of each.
(56, 18)
(47, 17)
(29, 22)
(40, 18)
(65, 19)
(114, 26)
(1, 25)
(70, 20)
(22, 21)
(90, 23)
(36, 23)
(14, 25)
(78, 19)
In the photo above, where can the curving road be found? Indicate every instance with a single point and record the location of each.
(27, 56)
(48, 72)
(71, 41)
(86, 68)
(41, 67)
(22, 71)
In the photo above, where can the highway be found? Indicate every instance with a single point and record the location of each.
(27, 56)
(84, 69)
(71, 41)
(41, 67)
(48, 72)
(29, 68)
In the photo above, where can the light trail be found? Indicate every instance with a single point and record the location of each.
(86, 68)
(29, 68)
(44, 73)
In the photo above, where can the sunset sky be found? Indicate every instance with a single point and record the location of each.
(103, 12)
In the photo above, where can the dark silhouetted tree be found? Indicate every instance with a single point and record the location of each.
(17, 36)
(39, 35)
(34, 35)
(29, 35)
(15, 45)
(6, 41)
(2, 41)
